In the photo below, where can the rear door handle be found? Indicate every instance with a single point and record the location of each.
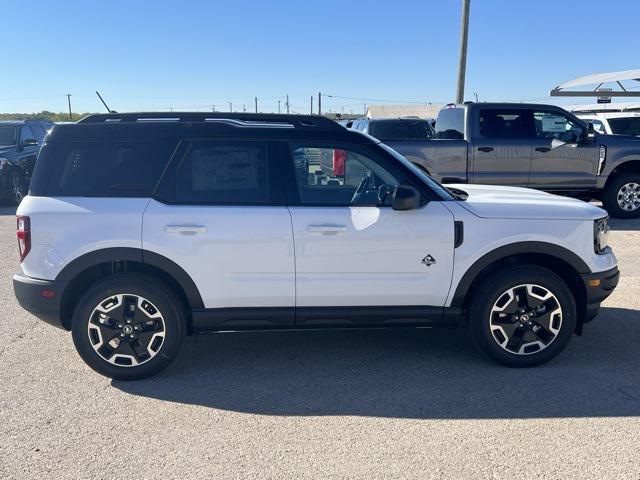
(485, 149)
(327, 229)
(542, 149)
(185, 229)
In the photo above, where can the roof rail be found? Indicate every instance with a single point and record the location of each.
(254, 120)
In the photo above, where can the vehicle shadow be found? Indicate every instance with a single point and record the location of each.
(4, 210)
(403, 374)
(632, 224)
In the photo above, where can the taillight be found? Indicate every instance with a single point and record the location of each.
(23, 232)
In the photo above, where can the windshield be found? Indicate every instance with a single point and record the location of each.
(401, 129)
(441, 191)
(8, 135)
(625, 126)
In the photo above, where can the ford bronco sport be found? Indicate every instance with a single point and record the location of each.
(142, 228)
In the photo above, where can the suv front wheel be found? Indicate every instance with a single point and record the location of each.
(128, 326)
(522, 316)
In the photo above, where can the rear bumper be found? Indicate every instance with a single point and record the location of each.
(598, 287)
(29, 292)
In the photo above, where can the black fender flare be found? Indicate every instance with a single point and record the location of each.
(128, 254)
(520, 248)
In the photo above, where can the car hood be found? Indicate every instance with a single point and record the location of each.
(491, 201)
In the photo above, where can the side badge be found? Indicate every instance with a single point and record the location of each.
(428, 260)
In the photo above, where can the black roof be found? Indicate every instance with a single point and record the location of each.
(149, 126)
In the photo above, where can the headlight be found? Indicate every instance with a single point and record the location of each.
(3, 162)
(601, 234)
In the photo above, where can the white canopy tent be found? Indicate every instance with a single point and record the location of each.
(599, 79)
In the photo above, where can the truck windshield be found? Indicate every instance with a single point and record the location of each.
(439, 190)
(401, 129)
(8, 135)
(625, 126)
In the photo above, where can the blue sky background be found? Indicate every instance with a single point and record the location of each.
(192, 54)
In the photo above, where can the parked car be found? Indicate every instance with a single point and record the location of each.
(537, 146)
(138, 230)
(615, 123)
(19, 144)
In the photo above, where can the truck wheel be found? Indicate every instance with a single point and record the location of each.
(16, 189)
(522, 316)
(621, 197)
(128, 326)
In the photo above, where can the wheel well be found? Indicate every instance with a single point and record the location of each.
(558, 266)
(630, 166)
(84, 279)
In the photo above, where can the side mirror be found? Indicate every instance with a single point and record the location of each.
(29, 142)
(405, 198)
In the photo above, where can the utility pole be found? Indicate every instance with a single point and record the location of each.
(287, 104)
(311, 106)
(278, 106)
(69, 102)
(256, 100)
(319, 103)
(462, 61)
(230, 107)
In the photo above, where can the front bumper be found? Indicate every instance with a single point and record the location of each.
(42, 298)
(598, 287)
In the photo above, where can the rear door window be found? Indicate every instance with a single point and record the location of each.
(625, 126)
(101, 169)
(505, 123)
(222, 173)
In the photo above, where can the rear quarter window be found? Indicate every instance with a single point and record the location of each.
(100, 169)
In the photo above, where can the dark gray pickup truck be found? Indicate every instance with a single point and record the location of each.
(537, 146)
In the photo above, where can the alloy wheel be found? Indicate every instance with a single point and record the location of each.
(525, 319)
(126, 330)
(16, 189)
(629, 197)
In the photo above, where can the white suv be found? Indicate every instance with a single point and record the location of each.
(142, 228)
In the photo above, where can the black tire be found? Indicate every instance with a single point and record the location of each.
(493, 289)
(16, 189)
(610, 195)
(135, 286)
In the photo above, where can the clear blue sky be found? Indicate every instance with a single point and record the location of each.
(191, 54)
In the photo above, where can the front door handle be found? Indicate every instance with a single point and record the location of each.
(543, 149)
(327, 229)
(185, 229)
(485, 149)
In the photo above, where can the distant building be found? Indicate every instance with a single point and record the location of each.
(427, 110)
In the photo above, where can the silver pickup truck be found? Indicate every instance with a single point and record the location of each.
(537, 146)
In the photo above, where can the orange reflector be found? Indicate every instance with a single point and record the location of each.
(594, 282)
(48, 293)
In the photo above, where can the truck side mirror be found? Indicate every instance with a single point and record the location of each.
(405, 198)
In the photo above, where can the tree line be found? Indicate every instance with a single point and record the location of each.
(44, 115)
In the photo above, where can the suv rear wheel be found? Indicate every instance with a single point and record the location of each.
(128, 326)
(621, 197)
(522, 316)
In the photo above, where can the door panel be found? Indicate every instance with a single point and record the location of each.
(366, 256)
(502, 162)
(237, 256)
(561, 159)
(502, 147)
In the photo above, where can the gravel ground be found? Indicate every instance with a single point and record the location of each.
(357, 404)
